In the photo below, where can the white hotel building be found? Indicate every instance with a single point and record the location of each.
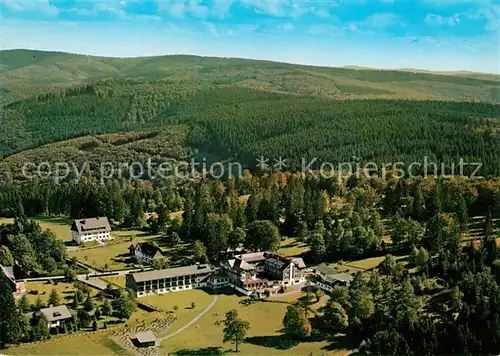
(93, 229)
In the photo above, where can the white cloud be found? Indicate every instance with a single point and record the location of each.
(34, 5)
(220, 8)
(438, 20)
(489, 12)
(195, 8)
(381, 20)
(274, 8)
(176, 9)
(374, 23)
(325, 29)
(291, 8)
(198, 10)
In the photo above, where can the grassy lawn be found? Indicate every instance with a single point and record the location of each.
(74, 344)
(291, 247)
(366, 263)
(65, 290)
(264, 335)
(117, 280)
(183, 301)
(115, 253)
(60, 226)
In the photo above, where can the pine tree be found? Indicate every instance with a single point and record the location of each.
(38, 304)
(24, 304)
(89, 304)
(11, 319)
(463, 213)
(54, 298)
(106, 307)
(488, 228)
(39, 330)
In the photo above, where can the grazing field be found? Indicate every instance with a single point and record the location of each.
(264, 336)
(185, 313)
(291, 247)
(43, 289)
(60, 226)
(74, 344)
(367, 263)
(114, 254)
(116, 280)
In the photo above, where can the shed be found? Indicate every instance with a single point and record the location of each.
(145, 339)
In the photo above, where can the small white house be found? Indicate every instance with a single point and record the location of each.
(93, 229)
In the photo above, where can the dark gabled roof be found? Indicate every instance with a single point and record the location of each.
(99, 223)
(52, 314)
(149, 249)
(339, 277)
(278, 263)
(324, 269)
(172, 272)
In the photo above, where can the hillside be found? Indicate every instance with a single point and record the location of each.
(24, 72)
(241, 109)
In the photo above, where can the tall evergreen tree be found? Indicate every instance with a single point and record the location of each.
(11, 319)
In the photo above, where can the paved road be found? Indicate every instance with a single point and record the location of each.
(192, 321)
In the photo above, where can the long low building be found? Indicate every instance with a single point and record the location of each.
(254, 273)
(327, 278)
(169, 280)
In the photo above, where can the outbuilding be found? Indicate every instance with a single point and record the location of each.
(145, 339)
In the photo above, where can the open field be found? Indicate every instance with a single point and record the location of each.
(291, 247)
(182, 300)
(75, 344)
(43, 290)
(264, 335)
(60, 226)
(367, 263)
(116, 280)
(115, 253)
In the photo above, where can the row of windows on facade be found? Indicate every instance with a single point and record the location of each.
(163, 284)
(171, 279)
(141, 291)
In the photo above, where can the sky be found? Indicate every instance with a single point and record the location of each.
(425, 34)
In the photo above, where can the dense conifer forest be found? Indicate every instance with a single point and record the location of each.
(240, 109)
(243, 124)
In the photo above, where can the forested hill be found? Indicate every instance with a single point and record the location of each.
(241, 109)
(24, 72)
